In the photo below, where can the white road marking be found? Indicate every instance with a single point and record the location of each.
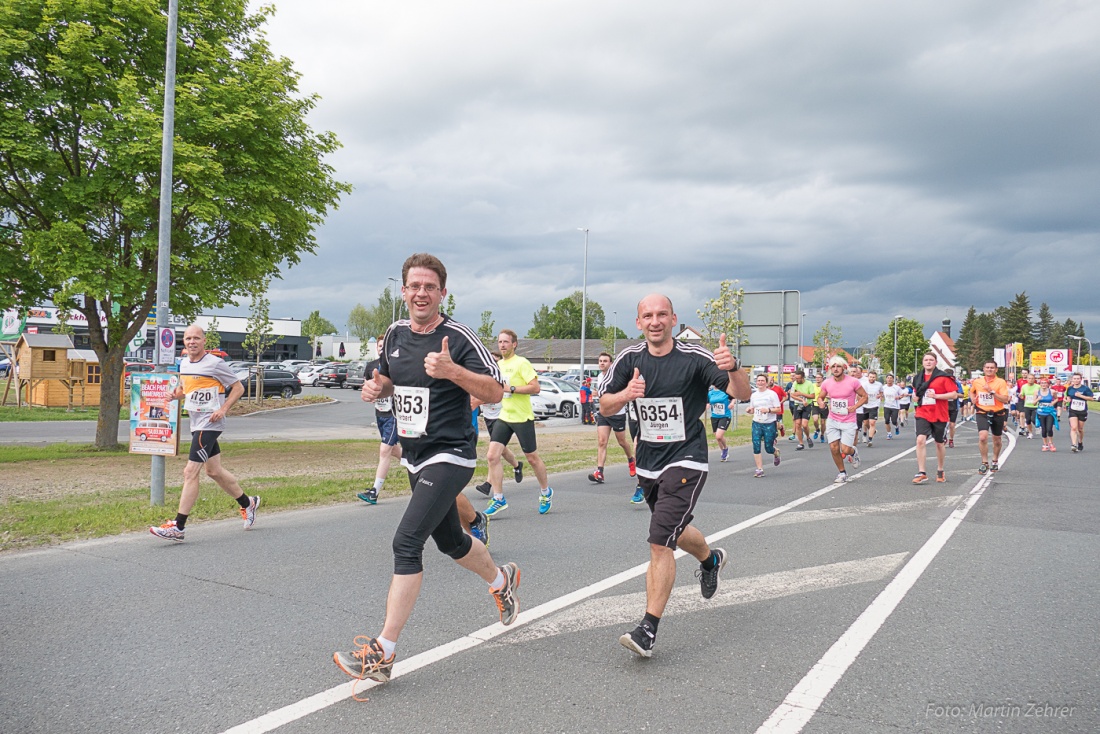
(292, 712)
(837, 513)
(622, 609)
(806, 698)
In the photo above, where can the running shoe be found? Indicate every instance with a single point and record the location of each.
(940, 477)
(758, 473)
(841, 478)
(632, 466)
(485, 488)
(248, 514)
(725, 455)
(639, 497)
(799, 447)
(505, 598)
(168, 531)
(897, 430)
(518, 472)
(708, 580)
(1073, 448)
(950, 443)
(854, 458)
(479, 528)
(983, 468)
(920, 478)
(1080, 445)
(994, 468)
(545, 499)
(810, 442)
(870, 443)
(596, 476)
(640, 640)
(889, 435)
(1052, 449)
(370, 496)
(817, 435)
(775, 461)
(791, 437)
(495, 506)
(369, 661)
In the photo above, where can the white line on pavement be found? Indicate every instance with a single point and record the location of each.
(806, 698)
(292, 712)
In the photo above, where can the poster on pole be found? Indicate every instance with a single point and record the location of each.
(154, 414)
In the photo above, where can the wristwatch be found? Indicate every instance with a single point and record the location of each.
(513, 389)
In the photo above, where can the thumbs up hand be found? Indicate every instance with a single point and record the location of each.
(636, 387)
(439, 364)
(723, 356)
(372, 388)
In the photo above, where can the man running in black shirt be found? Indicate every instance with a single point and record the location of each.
(668, 381)
(431, 366)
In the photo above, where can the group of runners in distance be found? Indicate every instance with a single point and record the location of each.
(433, 376)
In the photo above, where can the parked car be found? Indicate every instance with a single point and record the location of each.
(156, 430)
(276, 382)
(332, 376)
(356, 375)
(309, 373)
(542, 407)
(288, 363)
(132, 367)
(564, 396)
(5, 366)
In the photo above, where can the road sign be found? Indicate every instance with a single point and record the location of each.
(166, 346)
(771, 326)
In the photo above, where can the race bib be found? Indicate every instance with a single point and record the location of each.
(718, 410)
(838, 406)
(410, 408)
(761, 414)
(1077, 404)
(384, 405)
(661, 419)
(985, 400)
(203, 400)
(929, 398)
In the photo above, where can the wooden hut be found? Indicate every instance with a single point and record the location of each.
(49, 372)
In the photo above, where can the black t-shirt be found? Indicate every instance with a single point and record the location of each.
(448, 434)
(687, 372)
(385, 405)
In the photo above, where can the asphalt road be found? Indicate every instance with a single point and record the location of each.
(874, 606)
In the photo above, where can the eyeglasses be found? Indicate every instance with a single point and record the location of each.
(428, 288)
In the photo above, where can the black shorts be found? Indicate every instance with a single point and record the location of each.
(617, 422)
(671, 498)
(801, 412)
(503, 431)
(991, 421)
(890, 416)
(870, 414)
(936, 431)
(904, 407)
(719, 424)
(204, 446)
(952, 412)
(1081, 415)
(431, 513)
(820, 411)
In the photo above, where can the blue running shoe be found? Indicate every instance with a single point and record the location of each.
(638, 498)
(544, 501)
(725, 454)
(370, 496)
(495, 506)
(479, 528)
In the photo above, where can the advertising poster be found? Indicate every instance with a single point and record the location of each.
(154, 415)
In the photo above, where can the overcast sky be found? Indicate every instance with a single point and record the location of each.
(880, 158)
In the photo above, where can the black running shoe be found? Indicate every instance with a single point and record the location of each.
(640, 640)
(518, 472)
(369, 661)
(708, 580)
(485, 488)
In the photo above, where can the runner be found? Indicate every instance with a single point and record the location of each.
(204, 380)
(890, 406)
(586, 402)
(990, 398)
(604, 426)
(668, 381)
(856, 371)
(841, 394)
(1029, 391)
(782, 395)
(430, 366)
(873, 388)
(802, 395)
(389, 449)
(952, 409)
(819, 413)
(490, 413)
(933, 389)
(516, 419)
(719, 403)
(1077, 394)
(905, 400)
(764, 406)
(1047, 402)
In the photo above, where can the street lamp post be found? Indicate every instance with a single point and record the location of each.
(614, 331)
(801, 339)
(584, 297)
(393, 301)
(899, 316)
(1079, 340)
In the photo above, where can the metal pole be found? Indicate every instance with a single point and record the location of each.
(393, 300)
(896, 344)
(801, 339)
(614, 331)
(584, 298)
(164, 237)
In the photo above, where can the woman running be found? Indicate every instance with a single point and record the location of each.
(1046, 412)
(764, 407)
(1076, 395)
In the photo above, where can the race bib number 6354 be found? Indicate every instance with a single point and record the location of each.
(661, 419)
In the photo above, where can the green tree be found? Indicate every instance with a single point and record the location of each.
(564, 320)
(449, 307)
(83, 89)
(826, 341)
(213, 337)
(363, 322)
(966, 355)
(314, 326)
(259, 334)
(721, 315)
(986, 338)
(911, 339)
(1042, 331)
(1014, 322)
(487, 331)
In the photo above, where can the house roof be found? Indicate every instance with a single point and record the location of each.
(48, 341)
(807, 354)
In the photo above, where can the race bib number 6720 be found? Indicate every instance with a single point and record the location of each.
(410, 408)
